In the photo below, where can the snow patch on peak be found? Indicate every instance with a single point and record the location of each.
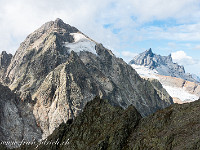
(78, 36)
(81, 43)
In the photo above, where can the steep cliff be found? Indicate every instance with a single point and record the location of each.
(17, 121)
(5, 60)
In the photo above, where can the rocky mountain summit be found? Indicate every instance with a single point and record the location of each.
(103, 126)
(58, 69)
(162, 64)
(181, 86)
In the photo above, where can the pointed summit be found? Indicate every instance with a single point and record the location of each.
(170, 57)
(149, 53)
(59, 24)
(164, 65)
(149, 50)
(58, 20)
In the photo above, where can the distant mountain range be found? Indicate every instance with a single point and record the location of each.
(162, 64)
(182, 86)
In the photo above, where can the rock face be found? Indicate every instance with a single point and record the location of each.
(162, 64)
(60, 69)
(5, 60)
(17, 121)
(99, 126)
(103, 126)
(160, 89)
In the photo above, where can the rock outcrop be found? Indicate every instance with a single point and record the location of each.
(5, 60)
(103, 126)
(160, 89)
(60, 69)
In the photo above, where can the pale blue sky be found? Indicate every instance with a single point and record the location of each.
(127, 27)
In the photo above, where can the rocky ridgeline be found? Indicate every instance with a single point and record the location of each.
(55, 74)
(103, 126)
(162, 64)
(181, 86)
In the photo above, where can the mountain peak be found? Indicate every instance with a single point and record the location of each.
(170, 57)
(58, 23)
(149, 50)
(162, 64)
(148, 53)
(58, 20)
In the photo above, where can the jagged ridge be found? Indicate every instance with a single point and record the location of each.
(163, 64)
(102, 126)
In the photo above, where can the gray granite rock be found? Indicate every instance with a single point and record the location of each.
(17, 121)
(5, 60)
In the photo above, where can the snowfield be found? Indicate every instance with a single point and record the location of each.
(145, 71)
(180, 93)
(176, 92)
(78, 36)
(81, 43)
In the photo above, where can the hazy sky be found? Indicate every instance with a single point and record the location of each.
(127, 27)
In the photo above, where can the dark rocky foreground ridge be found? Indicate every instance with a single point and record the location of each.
(58, 69)
(102, 126)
